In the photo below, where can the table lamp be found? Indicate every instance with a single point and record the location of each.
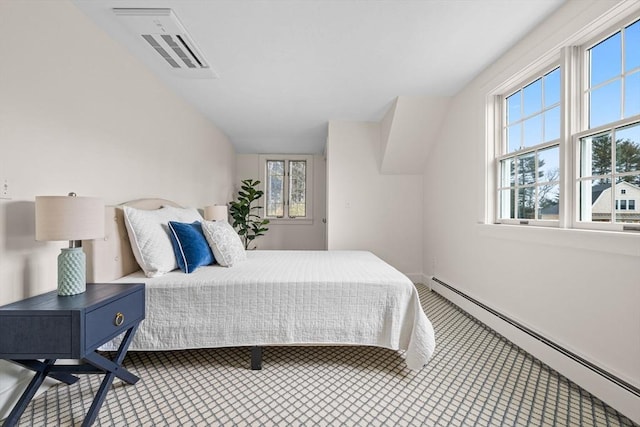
(216, 213)
(74, 219)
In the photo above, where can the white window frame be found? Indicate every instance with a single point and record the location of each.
(285, 219)
(585, 131)
(574, 121)
(594, 225)
(586, 90)
(501, 144)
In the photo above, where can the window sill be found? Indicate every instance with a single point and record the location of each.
(615, 242)
(288, 221)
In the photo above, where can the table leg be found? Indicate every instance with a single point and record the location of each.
(41, 372)
(34, 365)
(112, 370)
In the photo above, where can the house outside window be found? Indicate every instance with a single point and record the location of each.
(578, 115)
(288, 187)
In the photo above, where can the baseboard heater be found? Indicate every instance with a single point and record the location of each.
(608, 375)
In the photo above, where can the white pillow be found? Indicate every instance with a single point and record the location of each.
(225, 243)
(149, 236)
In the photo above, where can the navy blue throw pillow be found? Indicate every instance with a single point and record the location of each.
(190, 246)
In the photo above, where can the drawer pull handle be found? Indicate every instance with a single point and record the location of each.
(119, 320)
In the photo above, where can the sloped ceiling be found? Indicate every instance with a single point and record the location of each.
(408, 131)
(287, 67)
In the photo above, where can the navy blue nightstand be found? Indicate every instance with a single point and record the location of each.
(52, 327)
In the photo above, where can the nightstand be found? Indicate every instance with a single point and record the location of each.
(52, 327)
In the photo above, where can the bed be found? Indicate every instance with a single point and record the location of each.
(272, 298)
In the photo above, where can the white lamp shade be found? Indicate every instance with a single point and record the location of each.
(69, 218)
(216, 213)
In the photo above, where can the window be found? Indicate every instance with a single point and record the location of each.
(275, 188)
(287, 186)
(608, 160)
(529, 167)
(538, 146)
(613, 84)
(610, 155)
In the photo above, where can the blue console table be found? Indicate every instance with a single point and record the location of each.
(49, 327)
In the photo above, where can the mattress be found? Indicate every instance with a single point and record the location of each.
(286, 297)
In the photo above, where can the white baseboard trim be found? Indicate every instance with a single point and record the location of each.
(614, 395)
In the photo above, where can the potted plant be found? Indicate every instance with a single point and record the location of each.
(246, 221)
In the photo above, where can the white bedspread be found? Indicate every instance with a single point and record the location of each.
(286, 297)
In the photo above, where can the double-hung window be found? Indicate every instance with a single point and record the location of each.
(609, 147)
(529, 173)
(288, 187)
(567, 149)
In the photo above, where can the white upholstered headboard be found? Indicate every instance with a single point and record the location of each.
(111, 257)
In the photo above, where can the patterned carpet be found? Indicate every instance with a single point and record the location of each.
(476, 378)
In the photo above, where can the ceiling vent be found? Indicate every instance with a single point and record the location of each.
(161, 30)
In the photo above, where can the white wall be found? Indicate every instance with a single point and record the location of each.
(408, 130)
(367, 210)
(290, 236)
(79, 113)
(578, 288)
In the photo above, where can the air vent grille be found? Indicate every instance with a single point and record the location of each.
(179, 48)
(161, 29)
(154, 44)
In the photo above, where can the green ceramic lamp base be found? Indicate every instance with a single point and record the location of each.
(71, 272)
